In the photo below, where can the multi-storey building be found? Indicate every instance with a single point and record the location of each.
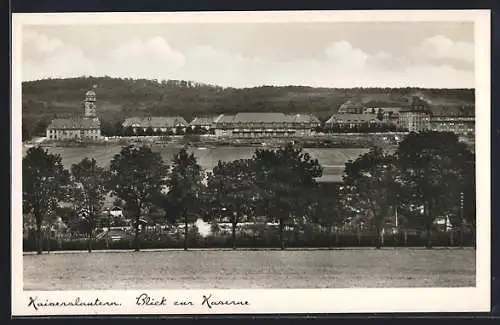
(462, 125)
(351, 107)
(414, 121)
(157, 124)
(417, 117)
(265, 125)
(346, 120)
(86, 127)
(204, 122)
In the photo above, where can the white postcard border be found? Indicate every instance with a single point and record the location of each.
(269, 300)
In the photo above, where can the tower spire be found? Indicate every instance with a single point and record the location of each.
(90, 108)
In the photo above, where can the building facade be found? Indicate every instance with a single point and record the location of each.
(414, 121)
(86, 127)
(350, 120)
(205, 122)
(248, 125)
(417, 117)
(351, 107)
(157, 124)
(461, 125)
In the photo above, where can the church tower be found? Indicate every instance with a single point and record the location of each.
(90, 109)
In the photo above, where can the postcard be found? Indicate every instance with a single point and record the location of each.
(250, 162)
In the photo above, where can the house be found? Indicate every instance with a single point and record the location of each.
(461, 125)
(416, 117)
(351, 107)
(158, 124)
(76, 128)
(389, 114)
(265, 125)
(414, 121)
(86, 127)
(204, 122)
(348, 120)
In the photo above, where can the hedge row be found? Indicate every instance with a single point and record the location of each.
(319, 240)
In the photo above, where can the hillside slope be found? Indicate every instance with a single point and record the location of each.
(119, 98)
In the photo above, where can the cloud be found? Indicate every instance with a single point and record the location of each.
(342, 65)
(155, 49)
(435, 76)
(40, 44)
(45, 57)
(343, 54)
(441, 47)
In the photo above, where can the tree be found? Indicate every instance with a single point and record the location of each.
(149, 131)
(370, 184)
(184, 188)
(26, 129)
(128, 131)
(380, 114)
(118, 128)
(283, 177)
(232, 186)
(44, 185)
(434, 168)
(326, 208)
(137, 176)
(140, 132)
(41, 127)
(469, 200)
(90, 189)
(108, 129)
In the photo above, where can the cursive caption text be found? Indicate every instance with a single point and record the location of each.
(207, 301)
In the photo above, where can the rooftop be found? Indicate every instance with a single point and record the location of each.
(204, 120)
(351, 104)
(261, 117)
(155, 121)
(74, 123)
(351, 117)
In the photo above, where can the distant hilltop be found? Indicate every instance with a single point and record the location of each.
(122, 97)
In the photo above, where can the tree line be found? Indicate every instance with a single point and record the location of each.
(118, 98)
(430, 175)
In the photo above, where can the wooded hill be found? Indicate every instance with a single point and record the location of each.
(118, 98)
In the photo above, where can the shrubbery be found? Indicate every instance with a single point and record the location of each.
(268, 240)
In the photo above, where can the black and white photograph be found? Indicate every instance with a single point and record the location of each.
(250, 162)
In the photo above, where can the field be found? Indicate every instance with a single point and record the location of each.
(332, 159)
(173, 269)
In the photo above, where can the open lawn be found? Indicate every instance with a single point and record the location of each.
(332, 159)
(220, 269)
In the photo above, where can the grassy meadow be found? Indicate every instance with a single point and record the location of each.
(224, 269)
(332, 159)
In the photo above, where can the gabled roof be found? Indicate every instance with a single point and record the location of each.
(261, 118)
(224, 119)
(351, 117)
(73, 124)
(204, 120)
(351, 104)
(305, 118)
(155, 121)
(267, 118)
(368, 110)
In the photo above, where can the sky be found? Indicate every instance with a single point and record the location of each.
(336, 54)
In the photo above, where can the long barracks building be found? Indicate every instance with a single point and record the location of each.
(248, 125)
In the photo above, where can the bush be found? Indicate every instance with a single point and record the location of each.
(268, 238)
